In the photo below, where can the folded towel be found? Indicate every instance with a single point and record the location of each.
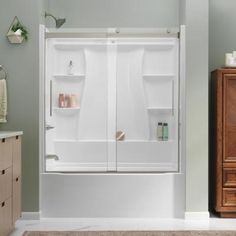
(3, 101)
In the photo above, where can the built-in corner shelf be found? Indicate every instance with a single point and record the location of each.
(74, 77)
(164, 110)
(66, 109)
(158, 76)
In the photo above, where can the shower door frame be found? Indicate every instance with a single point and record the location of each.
(109, 33)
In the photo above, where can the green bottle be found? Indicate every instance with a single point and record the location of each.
(165, 132)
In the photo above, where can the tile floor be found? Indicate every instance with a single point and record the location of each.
(123, 224)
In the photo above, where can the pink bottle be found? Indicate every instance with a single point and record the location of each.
(73, 100)
(67, 101)
(61, 100)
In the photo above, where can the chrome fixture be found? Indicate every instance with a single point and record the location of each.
(48, 127)
(59, 21)
(53, 157)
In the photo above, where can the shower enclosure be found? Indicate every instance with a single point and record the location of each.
(112, 122)
(112, 103)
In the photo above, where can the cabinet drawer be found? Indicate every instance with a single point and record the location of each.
(6, 225)
(5, 184)
(229, 197)
(16, 198)
(16, 156)
(229, 177)
(5, 153)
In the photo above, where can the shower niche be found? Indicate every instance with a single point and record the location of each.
(113, 86)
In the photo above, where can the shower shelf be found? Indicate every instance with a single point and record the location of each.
(80, 140)
(104, 140)
(160, 109)
(158, 76)
(79, 76)
(66, 109)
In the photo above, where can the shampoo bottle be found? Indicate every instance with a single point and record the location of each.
(165, 132)
(159, 132)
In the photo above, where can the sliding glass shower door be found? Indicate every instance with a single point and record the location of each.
(76, 105)
(147, 104)
(111, 104)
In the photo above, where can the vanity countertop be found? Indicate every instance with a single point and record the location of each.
(8, 134)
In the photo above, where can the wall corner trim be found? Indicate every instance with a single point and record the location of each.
(200, 215)
(30, 216)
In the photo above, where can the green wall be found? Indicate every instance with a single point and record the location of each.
(22, 63)
(196, 17)
(116, 13)
(222, 31)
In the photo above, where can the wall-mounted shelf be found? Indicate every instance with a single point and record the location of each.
(160, 109)
(158, 76)
(66, 111)
(74, 77)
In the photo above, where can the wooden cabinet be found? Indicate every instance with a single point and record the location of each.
(223, 142)
(10, 183)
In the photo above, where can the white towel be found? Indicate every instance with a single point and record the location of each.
(3, 101)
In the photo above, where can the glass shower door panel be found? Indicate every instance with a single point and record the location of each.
(76, 132)
(147, 95)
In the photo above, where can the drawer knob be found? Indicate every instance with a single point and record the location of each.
(17, 137)
(3, 172)
(17, 179)
(3, 204)
(3, 140)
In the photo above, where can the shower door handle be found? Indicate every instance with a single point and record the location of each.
(50, 98)
(173, 98)
(120, 136)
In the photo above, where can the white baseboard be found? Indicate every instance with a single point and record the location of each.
(30, 216)
(201, 215)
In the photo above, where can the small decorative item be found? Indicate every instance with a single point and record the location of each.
(73, 100)
(70, 69)
(17, 33)
(230, 59)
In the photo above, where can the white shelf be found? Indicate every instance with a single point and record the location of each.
(75, 77)
(66, 109)
(160, 109)
(80, 140)
(104, 140)
(146, 141)
(158, 76)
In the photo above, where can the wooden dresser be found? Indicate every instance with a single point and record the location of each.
(10, 180)
(223, 145)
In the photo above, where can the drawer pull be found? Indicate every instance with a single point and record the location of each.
(3, 140)
(17, 137)
(3, 172)
(17, 179)
(3, 204)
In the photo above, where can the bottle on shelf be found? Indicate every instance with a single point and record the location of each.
(70, 69)
(165, 132)
(67, 100)
(159, 131)
(61, 100)
(74, 100)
